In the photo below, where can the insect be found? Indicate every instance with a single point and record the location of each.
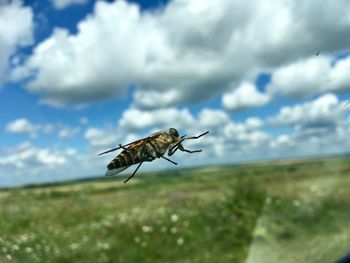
(147, 150)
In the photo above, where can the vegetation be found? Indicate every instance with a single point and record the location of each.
(282, 211)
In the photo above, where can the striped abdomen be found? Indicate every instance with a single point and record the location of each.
(125, 158)
(143, 152)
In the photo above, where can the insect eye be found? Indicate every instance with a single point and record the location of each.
(174, 132)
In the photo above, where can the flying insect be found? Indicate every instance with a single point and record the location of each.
(148, 149)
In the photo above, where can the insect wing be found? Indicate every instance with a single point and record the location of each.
(136, 145)
(133, 144)
(116, 171)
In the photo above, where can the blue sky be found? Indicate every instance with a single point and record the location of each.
(79, 77)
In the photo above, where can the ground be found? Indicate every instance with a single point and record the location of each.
(278, 211)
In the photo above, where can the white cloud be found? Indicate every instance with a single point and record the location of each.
(61, 4)
(323, 111)
(209, 118)
(302, 78)
(309, 141)
(16, 30)
(187, 51)
(155, 99)
(71, 151)
(253, 123)
(281, 142)
(245, 96)
(22, 126)
(317, 129)
(67, 132)
(134, 119)
(25, 156)
(101, 138)
(311, 76)
(339, 76)
(225, 136)
(26, 163)
(244, 132)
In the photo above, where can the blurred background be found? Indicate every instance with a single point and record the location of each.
(269, 80)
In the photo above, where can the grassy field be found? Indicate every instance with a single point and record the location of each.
(281, 211)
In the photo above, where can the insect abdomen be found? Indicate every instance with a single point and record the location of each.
(125, 158)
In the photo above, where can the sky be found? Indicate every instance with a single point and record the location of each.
(268, 79)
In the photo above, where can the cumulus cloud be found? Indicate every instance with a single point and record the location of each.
(225, 135)
(317, 128)
(311, 141)
(16, 30)
(25, 155)
(134, 119)
(61, 4)
(210, 118)
(67, 132)
(244, 132)
(26, 127)
(22, 126)
(153, 99)
(323, 111)
(245, 96)
(26, 163)
(311, 76)
(101, 137)
(188, 51)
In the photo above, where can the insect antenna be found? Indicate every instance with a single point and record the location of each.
(194, 137)
(114, 149)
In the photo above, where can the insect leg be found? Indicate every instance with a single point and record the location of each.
(181, 148)
(132, 173)
(195, 151)
(169, 160)
(173, 149)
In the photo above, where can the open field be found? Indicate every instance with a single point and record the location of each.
(290, 211)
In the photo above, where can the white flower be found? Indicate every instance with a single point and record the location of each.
(174, 217)
(28, 249)
(15, 247)
(268, 200)
(296, 203)
(47, 248)
(147, 229)
(180, 241)
(123, 218)
(56, 251)
(173, 230)
(74, 246)
(24, 237)
(102, 245)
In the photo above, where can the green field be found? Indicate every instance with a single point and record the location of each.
(281, 211)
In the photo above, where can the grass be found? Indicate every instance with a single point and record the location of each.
(290, 211)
